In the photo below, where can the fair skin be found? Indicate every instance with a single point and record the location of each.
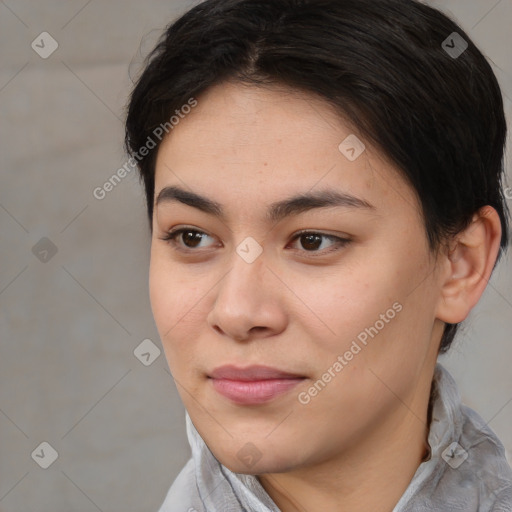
(355, 445)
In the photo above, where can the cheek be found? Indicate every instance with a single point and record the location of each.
(354, 299)
(162, 293)
(175, 302)
(376, 302)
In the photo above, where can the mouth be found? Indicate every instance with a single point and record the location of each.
(252, 385)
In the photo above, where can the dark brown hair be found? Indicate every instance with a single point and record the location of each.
(384, 65)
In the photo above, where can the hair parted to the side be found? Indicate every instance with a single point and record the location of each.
(379, 63)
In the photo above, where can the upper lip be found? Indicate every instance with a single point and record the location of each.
(251, 373)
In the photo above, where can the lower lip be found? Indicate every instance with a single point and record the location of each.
(253, 392)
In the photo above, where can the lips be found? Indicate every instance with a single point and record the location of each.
(252, 385)
(251, 373)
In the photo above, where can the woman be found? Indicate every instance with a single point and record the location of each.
(324, 190)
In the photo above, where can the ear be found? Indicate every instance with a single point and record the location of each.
(469, 262)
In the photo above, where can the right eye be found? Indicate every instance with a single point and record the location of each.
(190, 239)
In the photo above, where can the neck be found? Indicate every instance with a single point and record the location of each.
(371, 475)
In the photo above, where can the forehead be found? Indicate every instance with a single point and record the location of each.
(247, 145)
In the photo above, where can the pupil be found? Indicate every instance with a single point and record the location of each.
(310, 240)
(194, 235)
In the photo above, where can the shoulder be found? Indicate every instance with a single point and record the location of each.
(183, 495)
(491, 473)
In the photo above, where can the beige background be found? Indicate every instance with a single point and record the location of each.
(69, 326)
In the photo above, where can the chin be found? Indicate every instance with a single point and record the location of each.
(252, 459)
(258, 468)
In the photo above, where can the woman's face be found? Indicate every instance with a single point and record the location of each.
(347, 313)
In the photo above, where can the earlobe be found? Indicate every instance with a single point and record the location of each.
(469, 262)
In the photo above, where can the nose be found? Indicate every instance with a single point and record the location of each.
(249, 302)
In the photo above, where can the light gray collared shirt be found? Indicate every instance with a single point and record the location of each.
(467, 470)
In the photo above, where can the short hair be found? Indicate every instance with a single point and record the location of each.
(384, 65)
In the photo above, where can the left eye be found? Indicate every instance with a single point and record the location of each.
(312, 241)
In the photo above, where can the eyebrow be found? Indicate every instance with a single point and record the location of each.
(276, 211)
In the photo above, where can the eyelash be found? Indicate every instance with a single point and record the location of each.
(340, 242)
